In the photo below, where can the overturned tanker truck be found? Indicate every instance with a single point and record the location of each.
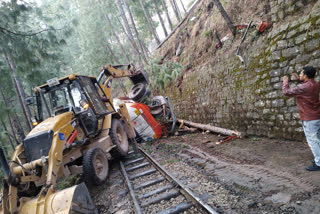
(77, 129)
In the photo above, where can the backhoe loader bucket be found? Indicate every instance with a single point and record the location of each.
(75, 199)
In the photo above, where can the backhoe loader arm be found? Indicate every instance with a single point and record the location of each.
(120, 71)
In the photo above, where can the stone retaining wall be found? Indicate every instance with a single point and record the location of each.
(249, 97)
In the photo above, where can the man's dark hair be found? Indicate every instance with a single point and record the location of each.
(310, 71)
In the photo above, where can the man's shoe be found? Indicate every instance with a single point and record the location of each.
(314, 167)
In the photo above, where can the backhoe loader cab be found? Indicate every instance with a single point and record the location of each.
(77, 94)
(76, 131)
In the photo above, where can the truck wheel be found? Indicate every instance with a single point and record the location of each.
(95, 166)
(137, 91)
(119, 138)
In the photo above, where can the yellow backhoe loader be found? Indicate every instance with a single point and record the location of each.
(77, 130)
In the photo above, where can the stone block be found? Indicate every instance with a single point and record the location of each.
(268, 103)
(290, 52)
(274, 18)
(301, 38)
(305, 27)
(293, 109)
(302, 58)
(259, 104)
(264, 76)
(316, 53)
(296, 116)
(299, 4)
(282, 44)
(300, 129)
(275, 73)
(284, 27)
(275, 79)
(312, 45)
(315, 63)
(275, 55)
(287, 116)
(315, 32)
(293, 123)
(266, 111)
(277, 85)
(283, 64)
(277, 103)
(280, 117)
(271, 95)
(292, 33)
(291, 101)
(304, 19)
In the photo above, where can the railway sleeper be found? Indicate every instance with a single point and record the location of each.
(148, 172)
(165, 196)
(137, 166)
(149, 183)
(134, 161)
(156, 191)
(177, 209)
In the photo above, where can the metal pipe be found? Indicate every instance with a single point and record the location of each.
(27, 166)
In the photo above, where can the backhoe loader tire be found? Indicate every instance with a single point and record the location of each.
(95, 166)
(119, 138)
(137, 91)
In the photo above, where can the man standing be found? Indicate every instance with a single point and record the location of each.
(307, 96)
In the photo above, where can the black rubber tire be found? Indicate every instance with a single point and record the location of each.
(137, 91)
(119, 138)
(91, 172)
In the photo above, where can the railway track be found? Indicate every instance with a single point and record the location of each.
(150, 186)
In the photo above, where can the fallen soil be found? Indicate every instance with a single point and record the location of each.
(250, 175)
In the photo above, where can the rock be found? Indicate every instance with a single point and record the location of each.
(179, 49)
(290, 52)
(279, 198)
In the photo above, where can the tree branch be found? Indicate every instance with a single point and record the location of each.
(32, 34)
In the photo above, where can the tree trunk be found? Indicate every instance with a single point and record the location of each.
(167, 14)
(19, 90)
(183, 7)
(129, 32)
(175, 10)
(225, 16)
(147, 15)
(160, 18)
(9, 137)
(117, 38)
(6, 102)
(145, 54)
(211, 128)
(18, 127)
(109, 49)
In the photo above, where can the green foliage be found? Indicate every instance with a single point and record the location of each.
(161, 75)
(208, 33)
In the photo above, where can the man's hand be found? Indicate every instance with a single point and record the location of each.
(294, 76)
(285, 79)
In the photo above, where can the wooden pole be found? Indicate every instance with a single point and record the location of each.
(211, 128)
(225, 16)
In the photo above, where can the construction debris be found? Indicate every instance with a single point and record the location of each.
(212, 128)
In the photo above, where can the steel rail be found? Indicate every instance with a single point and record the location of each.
(183, 189)
(133, 196)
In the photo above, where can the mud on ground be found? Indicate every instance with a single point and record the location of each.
(254, 175)
(250, 175)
